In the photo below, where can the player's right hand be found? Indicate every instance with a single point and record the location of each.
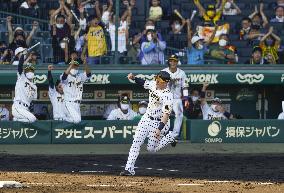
(130, 76)
(50, 67)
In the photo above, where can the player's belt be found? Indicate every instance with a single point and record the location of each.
(24, 104)
(77, 101)
(154, 119)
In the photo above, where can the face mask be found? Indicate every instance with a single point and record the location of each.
(177, 26)
(222, 42)
(194, 98)
(213, 107)
(59, 26)
(149, 37)
(269, 42)
(62, 45)
(227, 5)
(280, 19)
(142, 110)
(124, 106)
(20, 43)
(73, 72)
(30, 75)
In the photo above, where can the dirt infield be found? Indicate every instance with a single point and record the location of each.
(228, 173)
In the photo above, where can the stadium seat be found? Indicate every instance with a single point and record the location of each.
(47, 54)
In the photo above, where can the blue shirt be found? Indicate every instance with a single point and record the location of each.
(196, 56)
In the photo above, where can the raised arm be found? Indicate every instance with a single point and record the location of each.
(200, 7)
(189, 34)
(254, 13)
(263, 16)
(236, 7)
(97, 8)
(109, 9)
(266, 35)
(30, 37)
(202, 94)
(67, 72)
(49, 76)
(10, 29)
(138, 81)
(68, 12)
(53, 15)
(21, 63)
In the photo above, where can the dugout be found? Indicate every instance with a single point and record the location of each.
(252, 92)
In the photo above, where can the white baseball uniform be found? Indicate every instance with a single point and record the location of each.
(4, 114)
(281, 115)
(176, 85)
(160, 102)
(25, 93)
(117, 114)
(209, 114)
(73, 90)
(57, 101)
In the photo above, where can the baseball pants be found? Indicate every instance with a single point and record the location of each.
(22, 114)
(178, 110)
(147, 128)
(73, 113)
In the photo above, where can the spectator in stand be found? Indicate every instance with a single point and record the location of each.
(212, 14)
(123, 33)
(270, 45)
(281, 115)
(254, 34)
(96, 41)
(196, 46)
(231, 8)
(279, 15)
(18, 37)
(156, 11)
(29, 8)
(256, 57)
(62, 43)
(246, 27)
(133, 48)
(6, 54)
(177, 26)
(224, 51)
(153, 49)
(258, 17)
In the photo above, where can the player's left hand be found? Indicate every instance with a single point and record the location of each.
(130, 76)
(158, 134)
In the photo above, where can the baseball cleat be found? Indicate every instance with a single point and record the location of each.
(174, 143)
(126, 173)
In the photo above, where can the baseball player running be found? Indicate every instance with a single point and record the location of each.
(214, 112)
(25, 92)
(55, 93)
(154, 124)
(178, 88)
(73, 82)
